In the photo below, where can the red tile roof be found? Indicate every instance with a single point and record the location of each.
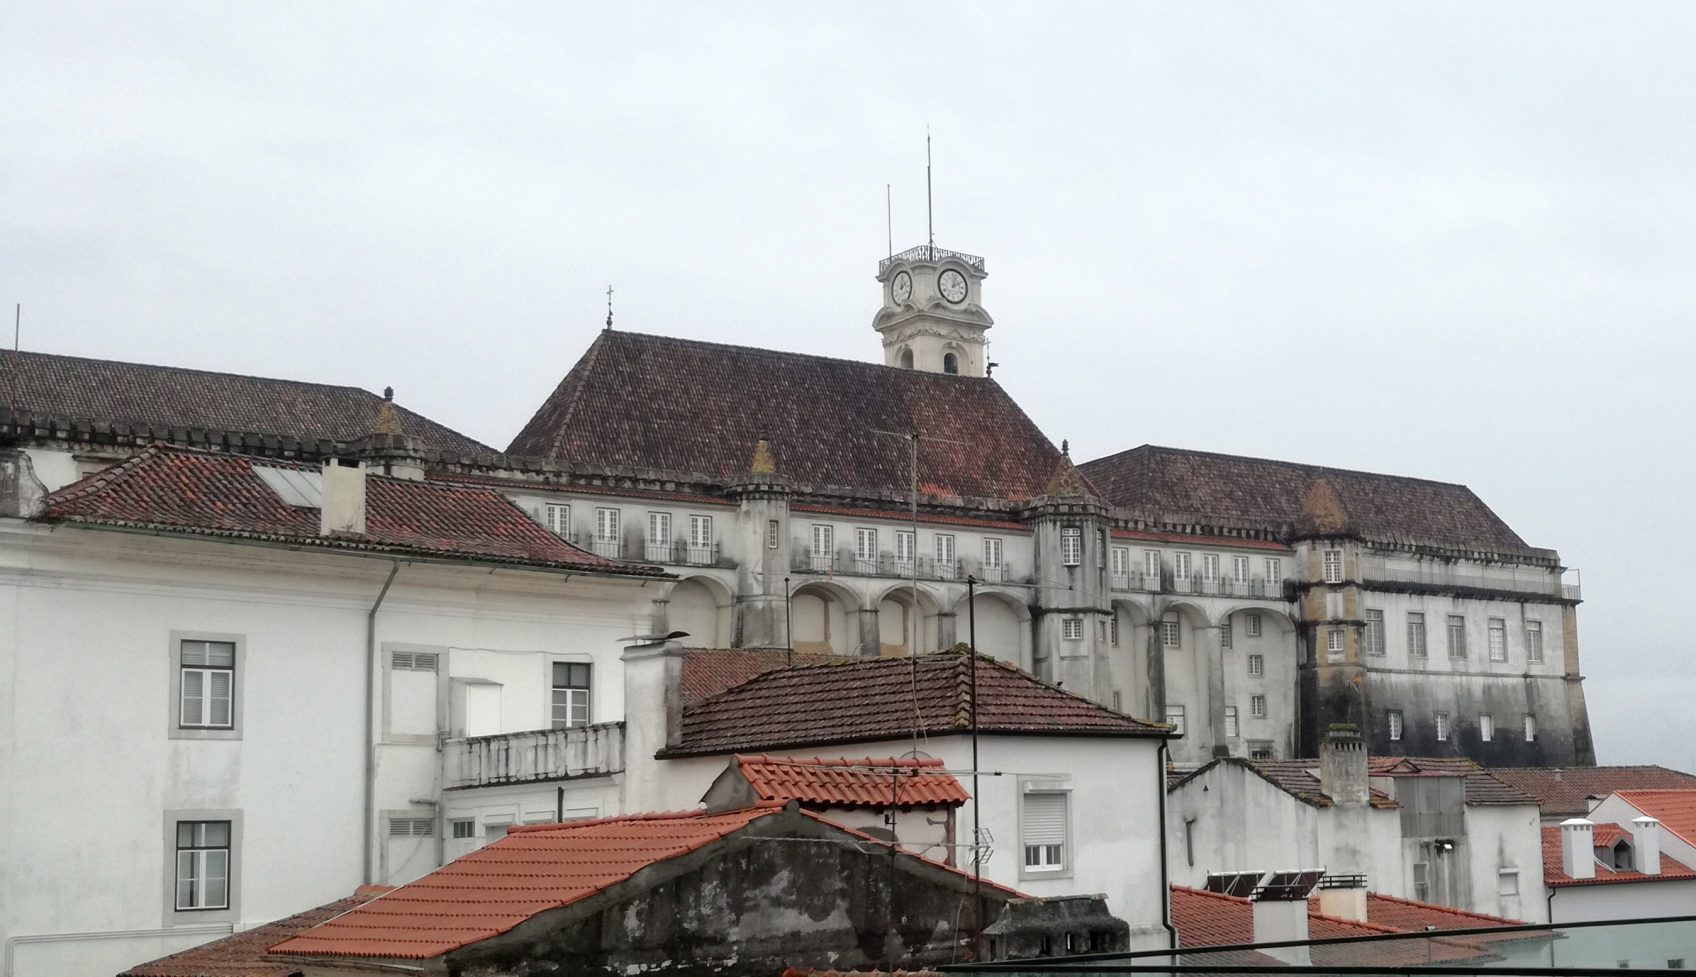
(689, 407)
(530, 870)
(1675, 809)
(1565, 791)
(243, 954)
(1603, 835)
(709, 671)
(1412, 916)
(168, 402)
(1174, 486)
(864, 699)
(217, 494)
(920, 782)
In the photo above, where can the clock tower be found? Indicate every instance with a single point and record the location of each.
(932, 317)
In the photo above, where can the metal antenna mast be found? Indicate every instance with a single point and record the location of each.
(930, 217)
(889, 219)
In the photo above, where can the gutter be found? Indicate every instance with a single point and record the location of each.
(370, 829)
(1165, 880)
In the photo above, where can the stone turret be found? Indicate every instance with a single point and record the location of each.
(1069, 524)
(762, 535)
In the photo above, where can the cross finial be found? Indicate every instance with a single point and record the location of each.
(609, 306)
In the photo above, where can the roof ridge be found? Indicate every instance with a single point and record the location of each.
(1316, 471)
(759, 809)
(710, 344)
(189, 369)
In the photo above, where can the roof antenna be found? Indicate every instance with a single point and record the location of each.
(930, 219)
(889, 219)
(17, 331)
(609, 307)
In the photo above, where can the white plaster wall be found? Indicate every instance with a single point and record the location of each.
(1506, 837)
(1623, 900)
(55, 469)
(1614, 810)
(1239, 823)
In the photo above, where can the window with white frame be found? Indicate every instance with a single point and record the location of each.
(1210, 567)
(904, 545)
(1171, 631)
(773, 534)
(1231, 722)
(1251, 623)
(1375, 633)
(606, 525)
(700, 532)
(1507, 882)
(1441, 721)
(571, 690)
(1180, 566)
(1151, 563)
(1175, 719)
(1072, 628)
(1100, 548)
(1533, 641)
(1257, 706)
(207, 679)
(1274, 570)
(1071, 546)
(944, 555)
(1333, 566)
(659, 532)
(1486, 728)
(1239, 569)
(1457, 636)
(1121, 561)
(1256, 665)
(1113, 630)
(1415, 634)
(824, 546)
(1395, 718)
(1530, 726)
(1042, 830)
(991, 553)
(1225, 632)
(558, 516)
(1498, 640)
(203, 865)
(1260, 749)
(462, 828)
(865, 545)
(1334, 644)
(1101, 629)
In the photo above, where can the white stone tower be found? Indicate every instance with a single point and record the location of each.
(932, 317)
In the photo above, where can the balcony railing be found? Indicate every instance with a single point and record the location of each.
(1541, 581)
(676, 553)
(612, 549)
(930, 252)
(887, 565)
(535, 755)
(992, 574)
(1255, 587)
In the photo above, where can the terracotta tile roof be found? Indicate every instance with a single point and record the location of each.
(1675, 809)
(1412, 916)
(1602, 835)
(867, 782)
(243, 954)
(530, 870)
(885, 698)
(1482, 786)
(691, 407)
(709, 671)
(1565, 791)
(1175, 486)
(163, 399)
(220, 495)
(1207, 919)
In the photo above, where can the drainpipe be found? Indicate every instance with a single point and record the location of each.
(370, 831)
(1165, 880)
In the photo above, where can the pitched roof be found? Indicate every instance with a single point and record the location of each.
(867, 782)
(691, 407)
(243, 954)
(1675, 809)
(531, 870)
(1565, 791)
(1603, 835)
(1214, 919)
(1174, 486)
(1482, 786)
(1413, 916)
(158, 401)
(1294, 777)
(709, 671)
(888, 698)
(222, 495)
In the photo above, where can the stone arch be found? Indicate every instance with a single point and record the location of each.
(1003, 626)
(1133, 661)
(905, 358)
(825, 618)
(951, 361)
(895, 619)
(700, 605)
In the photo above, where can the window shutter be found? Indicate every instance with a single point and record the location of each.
(411, 827)
(218, 698)
(1044, 819)
(194, 695)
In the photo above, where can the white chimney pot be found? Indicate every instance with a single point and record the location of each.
(1578, 848)
(1646, 845)
(342, 506)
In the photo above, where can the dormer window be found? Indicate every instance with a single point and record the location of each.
(951, 364)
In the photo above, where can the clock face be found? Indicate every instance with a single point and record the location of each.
(953, 285)
(902, 288)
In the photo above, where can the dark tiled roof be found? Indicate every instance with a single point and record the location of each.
(865, 782)
(243, 954)
(1482, 786)
(170, 398)
(692, 407)
(217, 494)
(1565, 791)
(709, 671)
(1298, 779)
(1173, 486)
(874, 698)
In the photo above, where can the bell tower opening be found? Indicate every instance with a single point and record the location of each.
(932, 317)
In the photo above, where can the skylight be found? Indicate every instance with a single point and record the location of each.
(295, 487)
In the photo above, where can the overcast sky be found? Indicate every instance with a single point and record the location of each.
(1446, 240)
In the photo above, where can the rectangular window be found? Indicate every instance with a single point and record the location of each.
(1113, 630)
(1375, 633)
(1415, 634)
(1457, 636)
(1072, 629)
(413, 661)
(700, 531)
(400, 827)
(865, 547)
(463, 828)
(1231, 722)
(1498, 640)
(1442, 722)
(1486, 728)
(1180, 566)
(1121, 561)
(1260, 749)
(606, 525)
(1151, 563)
(1333, 566)
(659, 528)
(1421, 882)
(203, 865)
(1071, 546)
(208, 674)
(1530, 725)
(571, 694)
(1210, 567)
(944, 555)
(772, 534)
(1395, 717)
(1334, 644)
(559, 518)
(1239, 569)
(1253, 625)
(1042, 831)
(824, 547)
(1171, 632)
(1100, 548)
(1533, 641)
(1101, 629)
(1274, 570)
(1175, 719)
(1118, 701)
(904, 551)
(1507, 882)
(1225, 632)
(1257, 706)
(1257, 665)
(992, 553)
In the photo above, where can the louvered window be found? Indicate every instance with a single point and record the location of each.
(412, 827)
(413, 661)
(208, 684)
(1042, 831)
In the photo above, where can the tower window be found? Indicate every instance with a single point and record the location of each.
(906, 359)
(950, 363)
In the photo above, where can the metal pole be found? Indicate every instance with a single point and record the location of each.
(972, 645)
(930, 219)
(889, 219)
(788, 623)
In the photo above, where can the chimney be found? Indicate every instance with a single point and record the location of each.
(341, 510)
(1342, 767)
(653, 718)
(1578, 849)
(1282, 921)
(1646, 845)
(1344, 898)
